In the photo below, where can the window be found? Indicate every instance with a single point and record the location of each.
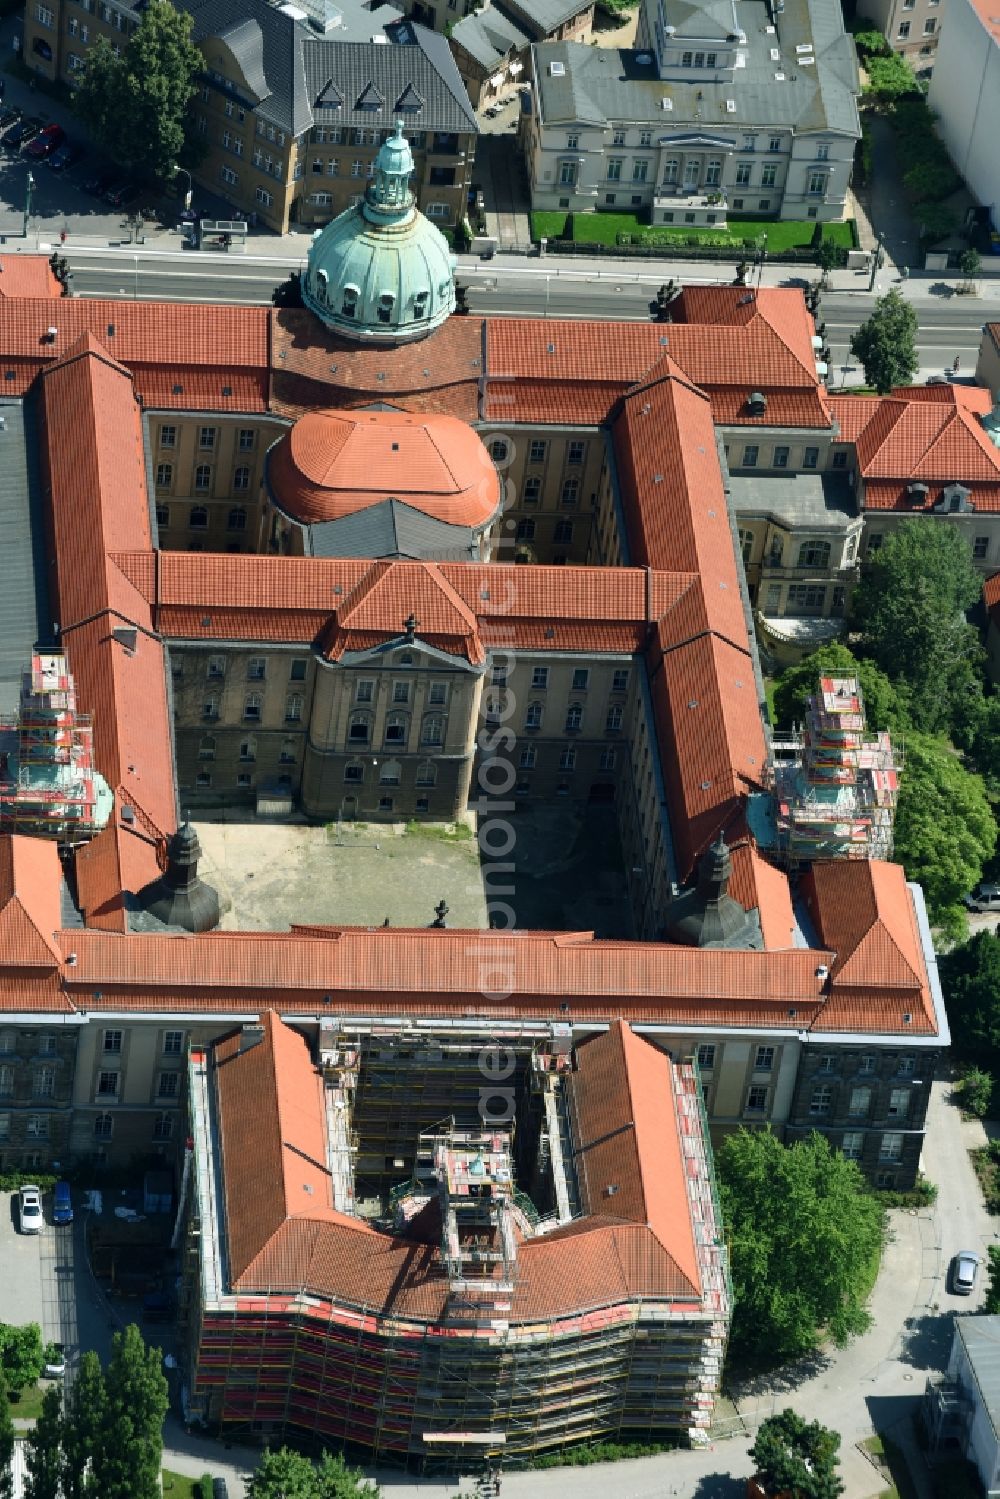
(202, 482)
(354, 771)
(164, 475)
(746, 545)
(107, 1084)
(615, 718)
(810, 458)
(706, 1057)
(525, 530)
(433, 730)
(43, 1083)
(236, 520)
(744, 170)
(750, 455)
(563, 532)
(570, 492)
(163, 1126)
(764, 1059)
(574, 718)
(247, 439)
(639, 171)
(891, 1147)
(437, 695)
(241, 477)
(539, 678)
(359, 728)
(44, 17)
(173, 1043)
(756, 1100)
(168, 1085)
(256, 668)
(906, 1066)
(609, 759)
(426, 773)
(819, 1103)
(817, 184)
(498, 449)
(619, 681)
(980, 547)
(572, 142)
(780, 457)
(38, 1127)
(533, 716)
(364, 691)
(930, 26)
(814, 554)
(615, 164)
(567, 174)
(6, 1081)
(851, 1145)
(768, 174)
(113, 1043)
(645, 137)
(395, 728)
(248, 749)
(567, 758)
(866, 1062)
(576, 452)
(774, 143)
(618, 138)
(7, 1043)
(826, 1063)
(581, 679)
(859, 1103)
(206, 437)
(252, 705)
(263, 197)
(47, 1047)
(206, 747)
(899, 1103)
(806, 598)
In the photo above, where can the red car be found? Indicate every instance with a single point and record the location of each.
(45, 142)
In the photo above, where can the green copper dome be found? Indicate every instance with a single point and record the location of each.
(381, 272)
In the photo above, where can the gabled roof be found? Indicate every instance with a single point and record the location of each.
(864, 914)
(30, 915)
(392, 592)
(27, 276)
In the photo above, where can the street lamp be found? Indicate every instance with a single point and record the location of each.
(190, 187)
(29, 188)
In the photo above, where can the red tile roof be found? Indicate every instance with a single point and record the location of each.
(756, 883)
(30, 880)
(27, 276)
(139, 333)
(333, 463)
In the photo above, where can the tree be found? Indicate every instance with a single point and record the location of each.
(937, 221)
(797, 1459)
(828, 255)
(44, 1450)
(890, 78)
(136, 105)
(886, 343)
(909, 610)
(7, 1440)
(288, 293)
(283, 1475)
(945, 830)
(871, 44)
(991, 1304)
(970, 262)
(970, 979)
(804, 1235)
(976, 1091)
(129, 1449)
(335, 1480)
(884, 706)
(82, 1423)
(21, 1354)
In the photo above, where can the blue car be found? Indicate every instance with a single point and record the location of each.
(62, 1206)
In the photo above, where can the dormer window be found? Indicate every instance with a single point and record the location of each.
(420, 301)
(386, 302)
(349, 305)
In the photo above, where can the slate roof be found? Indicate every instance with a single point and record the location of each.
(391, 529)
(294, 72)
(25, 615)
(601, 84)
(490, 35)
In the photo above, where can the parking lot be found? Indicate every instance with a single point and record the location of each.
(39, 1279)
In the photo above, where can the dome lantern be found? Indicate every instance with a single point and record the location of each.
(381, 272)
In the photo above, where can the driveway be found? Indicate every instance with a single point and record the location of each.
(21, 1295)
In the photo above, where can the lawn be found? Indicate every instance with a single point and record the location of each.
(604, 229)
(179, 1486)
(29, 1407)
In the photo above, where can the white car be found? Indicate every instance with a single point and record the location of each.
(31, 1210)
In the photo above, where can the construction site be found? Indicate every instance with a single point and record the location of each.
(448, 1250)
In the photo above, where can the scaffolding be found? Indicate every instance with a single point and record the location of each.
(834, 785)
(49, 786)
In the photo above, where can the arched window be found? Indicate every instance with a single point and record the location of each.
(354, 771)
(252, 704)
(288, 748)
(236, 520)
(433, 730)
(43, 1084)
(427, 773)
(395, 728)
(498, 449)
(198, 518)
(104, 1126)
(574, 718)
(206, 749)
(389, 773)
(293, 707)
(164, 475)
(533, 717)
(248, 749)
(203, 476)
(241, 477)
(814, 554)
(349, 305)
(359, 728)
(613, 722)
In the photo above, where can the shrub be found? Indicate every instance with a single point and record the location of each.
(976, 1092)
(205, 1486)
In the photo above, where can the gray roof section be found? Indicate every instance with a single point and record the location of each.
(602, 84)
(25, 620)
(490, 35)
(392, 529)
(288, 64)
(822, 500)
(981, 1336)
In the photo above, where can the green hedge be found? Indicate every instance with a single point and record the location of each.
(13, 1181)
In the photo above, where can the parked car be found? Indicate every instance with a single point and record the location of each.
(20, 133)
(964, 1272)
(220, 1489)
(68, 153)
(121, 194)
(31, 1210)
(984, 898)
(55, 1361)
(62, 1203)
(45, 142)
